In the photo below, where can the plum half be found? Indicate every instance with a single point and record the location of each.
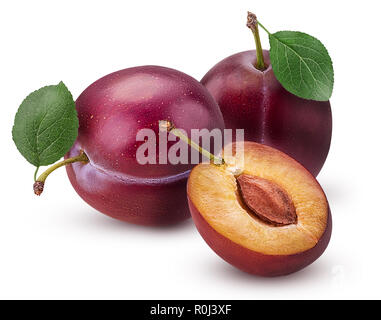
(271, 219)
(111, 111)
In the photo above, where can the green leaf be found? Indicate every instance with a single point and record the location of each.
(302, 65)
(46, 125)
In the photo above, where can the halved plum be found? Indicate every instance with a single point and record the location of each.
(235, 229)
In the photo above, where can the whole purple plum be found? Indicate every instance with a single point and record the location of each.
(254, 100)
(111, 111)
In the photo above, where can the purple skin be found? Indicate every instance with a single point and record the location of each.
(111, 111)
(255, 101)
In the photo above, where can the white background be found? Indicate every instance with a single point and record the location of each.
(56, 246)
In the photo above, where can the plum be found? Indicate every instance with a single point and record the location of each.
(258, 209)
(272, 219)
(254, 100)
(111, 111)
(251, 98)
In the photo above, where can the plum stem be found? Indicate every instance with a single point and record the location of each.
(169, 126)
(38, 186)
(252, 24)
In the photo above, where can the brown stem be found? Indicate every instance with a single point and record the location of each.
(252, 24)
